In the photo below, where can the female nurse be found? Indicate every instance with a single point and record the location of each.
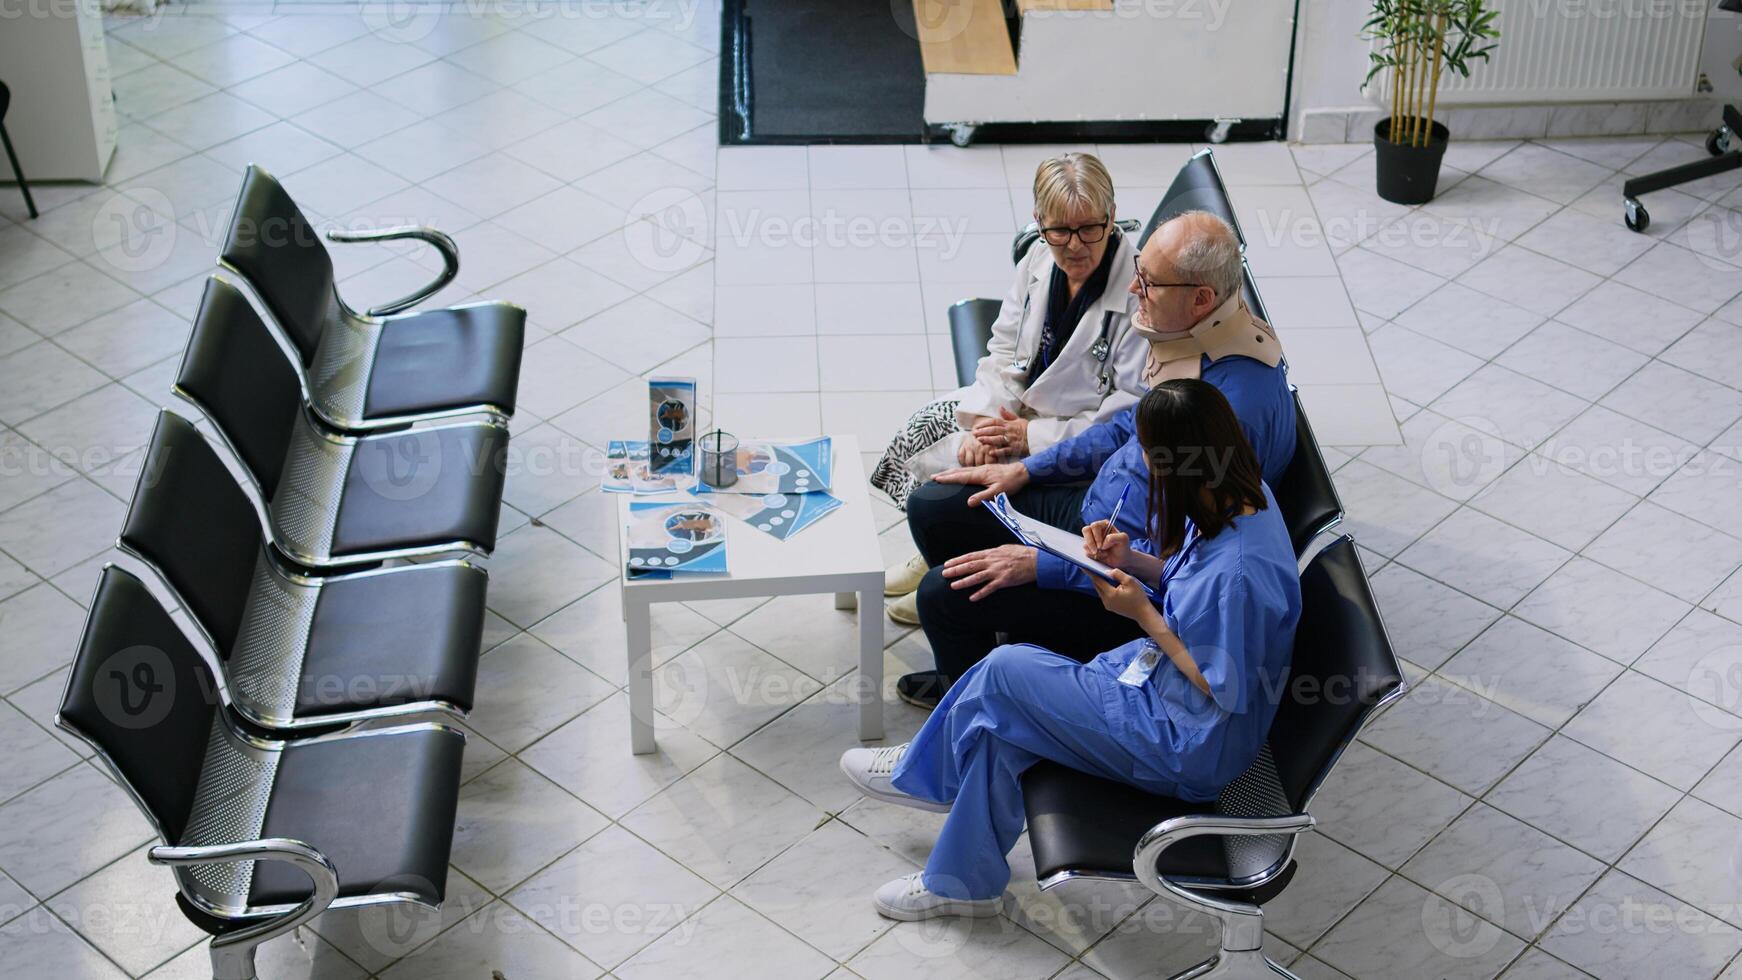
(1180, 712)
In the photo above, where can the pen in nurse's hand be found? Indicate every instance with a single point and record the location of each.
(1113, 518)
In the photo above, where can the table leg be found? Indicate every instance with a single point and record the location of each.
(870, 664)
(846, 600)
(638, 622)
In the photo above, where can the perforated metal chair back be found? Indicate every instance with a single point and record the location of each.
(273, 245)
(1343, 670)
(141, 695)
(234, 370)
(191, 521)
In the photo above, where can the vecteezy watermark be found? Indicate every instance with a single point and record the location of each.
(1476, 239)
(1610, 9)
(1455, 916)
(832, 228)
(135, 687)
(667, 230)
(1715, 683)
(134, 230)
(410, 21)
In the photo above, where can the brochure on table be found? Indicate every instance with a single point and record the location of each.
(666, 538)
(1039, 534)
(629, 469)
(780, 514)
(767, 467)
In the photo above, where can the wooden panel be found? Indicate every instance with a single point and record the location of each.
(964, 37)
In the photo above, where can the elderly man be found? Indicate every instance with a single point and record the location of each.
(1187, 282)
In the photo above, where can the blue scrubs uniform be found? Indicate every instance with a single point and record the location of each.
(1233, 599)
(1110, 453)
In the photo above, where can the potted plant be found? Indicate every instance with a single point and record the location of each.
(1419, 40)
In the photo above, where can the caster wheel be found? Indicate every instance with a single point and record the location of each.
(962, 134)
(1638, 219)
(1718, 141)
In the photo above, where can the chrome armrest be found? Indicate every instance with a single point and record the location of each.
(1175, 829)
(238, 946)
(1128, 225)
(442, 243)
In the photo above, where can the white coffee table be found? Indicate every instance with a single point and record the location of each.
(838, 554)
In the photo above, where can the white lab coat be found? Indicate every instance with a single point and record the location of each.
(1068, 397)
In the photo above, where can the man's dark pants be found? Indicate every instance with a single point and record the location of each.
(961, 631)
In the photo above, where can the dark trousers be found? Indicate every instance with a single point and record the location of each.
(961, 631)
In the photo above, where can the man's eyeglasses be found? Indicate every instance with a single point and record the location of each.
(1087, 234)
(1145, 284)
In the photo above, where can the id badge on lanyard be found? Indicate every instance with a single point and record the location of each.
(1136, 673)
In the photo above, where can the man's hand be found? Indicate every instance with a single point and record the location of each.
(1007, 435)
(1127, 598)
(1107, 545)
(972, 452)
(991, 570)
(997, 478)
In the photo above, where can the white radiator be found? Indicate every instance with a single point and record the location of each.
(1585, 51)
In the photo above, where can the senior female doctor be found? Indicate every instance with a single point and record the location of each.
(1180, 712)
(1062, 356)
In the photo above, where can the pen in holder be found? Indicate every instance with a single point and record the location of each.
(719, 460)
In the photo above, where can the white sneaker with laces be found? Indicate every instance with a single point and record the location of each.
(904, 578)
(871, 769)
(907, 899)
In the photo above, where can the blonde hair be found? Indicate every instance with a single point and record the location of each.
(1069, 181)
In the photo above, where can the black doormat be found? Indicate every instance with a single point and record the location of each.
(820, 71)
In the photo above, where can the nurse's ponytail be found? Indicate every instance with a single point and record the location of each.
(1200, 464)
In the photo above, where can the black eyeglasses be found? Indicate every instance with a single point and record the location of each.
(1087, 234)
(1144, 285)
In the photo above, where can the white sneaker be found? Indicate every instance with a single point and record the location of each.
(904, 578)
(907, 899)
(871, 769)
(904, 609)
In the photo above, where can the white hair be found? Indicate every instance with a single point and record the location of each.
(1209, 252)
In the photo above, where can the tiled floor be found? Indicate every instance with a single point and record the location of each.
(1552, 531)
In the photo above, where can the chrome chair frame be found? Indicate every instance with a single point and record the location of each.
(347, 368)
(201, 869)
(312, 554)
(1241, 956)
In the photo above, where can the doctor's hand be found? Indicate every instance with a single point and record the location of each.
(1006, 435)
(971, 452)
(1127, 598)
(991, 570)
(997, 478)
(1105, 544)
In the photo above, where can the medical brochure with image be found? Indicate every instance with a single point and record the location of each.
(671, 423)
(629, 469)
(769, 467)
(779, 514)
(687, 537)
(1057, 541)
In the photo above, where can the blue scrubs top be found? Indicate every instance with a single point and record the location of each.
(1110, 455)
(1234, 600)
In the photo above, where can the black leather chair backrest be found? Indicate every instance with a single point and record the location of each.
(275, 247)
(140, 694)
(5, 100)
(191, 520)
(236, 372)
(1307, 497)
(1343, 667)
(970, 331)
(1197, 187)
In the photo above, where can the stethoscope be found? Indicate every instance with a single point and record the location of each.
(1101, 350)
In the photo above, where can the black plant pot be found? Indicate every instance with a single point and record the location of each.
(1408, 174)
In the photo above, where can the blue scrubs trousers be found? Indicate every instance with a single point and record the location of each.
(1020, 705)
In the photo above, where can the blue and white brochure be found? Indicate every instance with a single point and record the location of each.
(628, 470)
(686, 537)
(766, 467)
(671, 411)
(779, 514)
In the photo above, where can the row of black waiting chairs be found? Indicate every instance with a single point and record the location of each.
(284, 767)
(1227, 858)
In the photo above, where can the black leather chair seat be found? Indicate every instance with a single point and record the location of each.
(443, 359)
(1079, 822)
(422, 487)
(405, 636)
(970, 332)
(381, 808)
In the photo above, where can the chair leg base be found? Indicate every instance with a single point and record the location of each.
(234, 962)
(1244, 964)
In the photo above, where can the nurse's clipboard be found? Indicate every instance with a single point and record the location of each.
(1052, 540)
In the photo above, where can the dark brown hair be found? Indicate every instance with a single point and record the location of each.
(1195, 444)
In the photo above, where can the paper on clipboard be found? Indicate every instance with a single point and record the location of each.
(1053, 540)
